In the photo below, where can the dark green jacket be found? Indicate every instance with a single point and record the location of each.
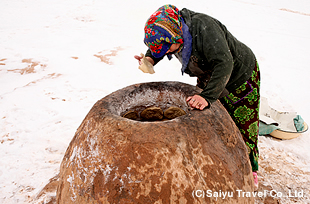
(218, 59)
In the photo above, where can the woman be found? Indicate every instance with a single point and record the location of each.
(225, 68)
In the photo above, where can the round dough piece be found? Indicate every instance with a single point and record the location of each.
(152, 113)
(133, 115)
(174, 112)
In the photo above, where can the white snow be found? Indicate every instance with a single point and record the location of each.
(57, 58)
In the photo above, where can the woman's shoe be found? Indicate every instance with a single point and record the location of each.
(255, 181)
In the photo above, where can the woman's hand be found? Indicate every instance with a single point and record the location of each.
(139, 58)
(197, 102)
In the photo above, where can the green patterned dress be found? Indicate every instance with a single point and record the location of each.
(243, 106)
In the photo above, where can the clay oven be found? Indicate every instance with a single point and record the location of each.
(113, 159)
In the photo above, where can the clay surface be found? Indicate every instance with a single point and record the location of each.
(112, 159)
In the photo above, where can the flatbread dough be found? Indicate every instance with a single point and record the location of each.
(152, 113)
(174, 112)
(133, 115)
(146, 66)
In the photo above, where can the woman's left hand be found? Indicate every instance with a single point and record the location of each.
(197, 102)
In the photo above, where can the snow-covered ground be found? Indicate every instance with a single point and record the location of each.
(57, 58)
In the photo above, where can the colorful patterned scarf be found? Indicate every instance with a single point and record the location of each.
(163, 29)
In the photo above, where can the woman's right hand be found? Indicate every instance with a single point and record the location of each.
(139, 58)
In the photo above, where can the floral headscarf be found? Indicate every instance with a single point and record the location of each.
(163, 29)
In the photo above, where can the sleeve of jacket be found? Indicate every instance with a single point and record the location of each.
(149, 54)
(212, 43)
